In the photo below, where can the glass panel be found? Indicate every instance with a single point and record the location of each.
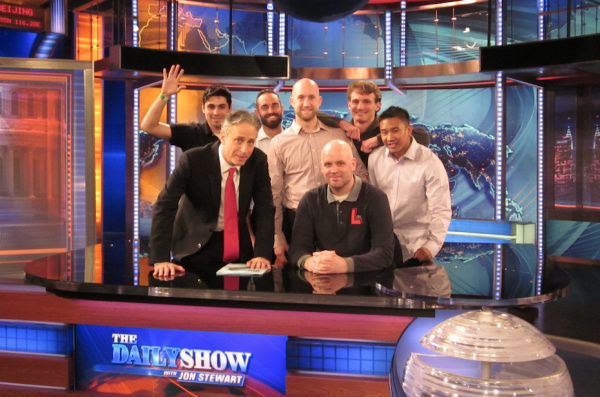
(42, 161)
(354, 41)
(568, 18)
(565, 177)
(446, 34)
(203, 29)
(521, 153)
(521, 21)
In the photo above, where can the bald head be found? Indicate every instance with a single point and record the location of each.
(305, 100)
(338, 165)
(339, 149)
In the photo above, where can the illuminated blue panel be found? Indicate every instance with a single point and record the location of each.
(47, 45)
(339, 357)
(16, 43)
(36, 338)
(480, 227)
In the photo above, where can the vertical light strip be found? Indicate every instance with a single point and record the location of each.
(172, 25)
(270, 16)
(57, 16)
(403, 33)
(136, 186)
(499, 190)
(70, 181)
(134, 21)
(498, 272)
(98, 150)
(540, 192)
(172, 119)
(499, 22)
(541, 5)
(388, 45)
(281, 34)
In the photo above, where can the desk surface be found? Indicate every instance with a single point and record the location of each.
(463, 275)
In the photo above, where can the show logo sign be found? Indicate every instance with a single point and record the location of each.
(107, 356)
(181, 361)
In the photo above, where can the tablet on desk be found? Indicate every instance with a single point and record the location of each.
(240, 269)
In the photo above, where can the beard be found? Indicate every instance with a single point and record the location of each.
(274, 123)
(306, 117)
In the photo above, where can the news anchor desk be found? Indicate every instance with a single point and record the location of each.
(368, 312)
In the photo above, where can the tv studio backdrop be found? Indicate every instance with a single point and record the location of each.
(510, 103)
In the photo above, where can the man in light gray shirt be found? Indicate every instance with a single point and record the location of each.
(294, 160)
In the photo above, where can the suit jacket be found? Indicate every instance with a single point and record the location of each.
(186, 211)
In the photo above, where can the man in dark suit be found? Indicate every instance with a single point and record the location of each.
(190, 216)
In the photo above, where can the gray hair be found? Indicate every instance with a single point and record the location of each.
(239, 117)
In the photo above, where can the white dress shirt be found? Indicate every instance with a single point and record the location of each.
(263, 141)
(225, 166)
(419, 194)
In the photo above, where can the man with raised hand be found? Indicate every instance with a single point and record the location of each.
(216, 103)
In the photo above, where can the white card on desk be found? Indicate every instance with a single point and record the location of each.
(239, 269)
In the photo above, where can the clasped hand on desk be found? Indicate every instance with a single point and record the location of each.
(326, 262)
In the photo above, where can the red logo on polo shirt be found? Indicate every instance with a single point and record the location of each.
(355, 219)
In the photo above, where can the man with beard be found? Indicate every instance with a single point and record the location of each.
(270, 111)
(216, 103)
(294, 161)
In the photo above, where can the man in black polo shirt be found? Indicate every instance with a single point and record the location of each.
(345, 225)
(216, 103)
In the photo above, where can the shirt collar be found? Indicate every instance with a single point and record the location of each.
(352, 196)
(225, 166)
(296, 127)
(262, 135)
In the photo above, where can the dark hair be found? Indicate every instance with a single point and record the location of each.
(395, 111)
(216, 90)
(421, 135)
(266, 91)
